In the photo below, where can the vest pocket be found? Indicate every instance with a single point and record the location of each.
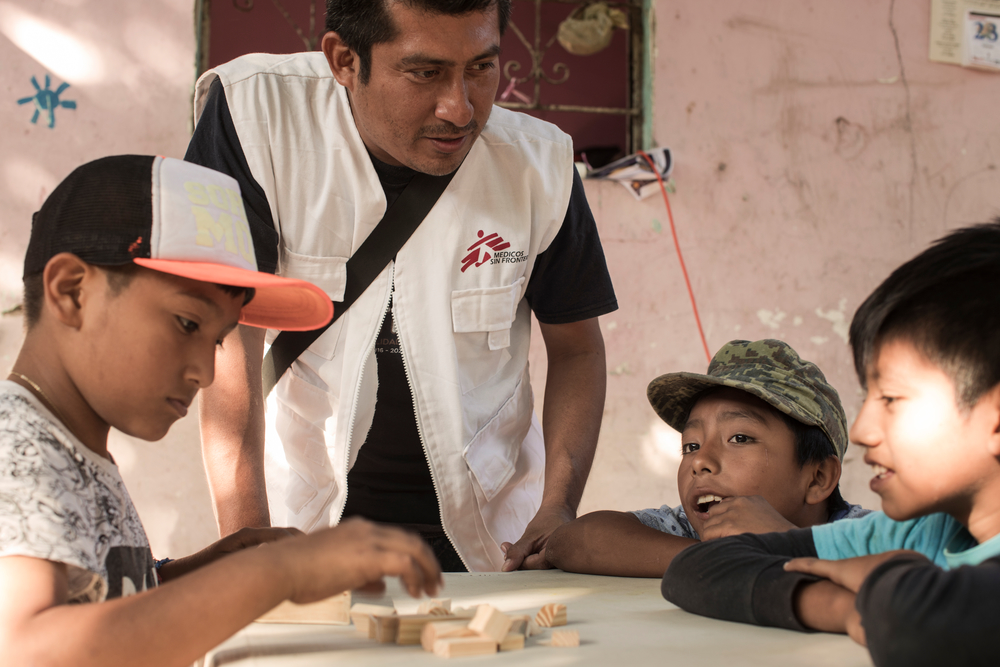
(327, 273)
(302, 410)
(481, 320)
(492, 453)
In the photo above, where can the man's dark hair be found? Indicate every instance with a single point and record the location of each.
(363, 23)
(119, 277)
(946, 303)
(814, 446)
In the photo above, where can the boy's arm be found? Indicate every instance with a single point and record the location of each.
(232, 428)
(741, 578)
(914, 613)
(613, 543)
(179, 622)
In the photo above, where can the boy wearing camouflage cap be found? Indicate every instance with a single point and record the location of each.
(763, 435)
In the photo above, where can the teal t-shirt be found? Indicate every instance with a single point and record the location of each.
(939, 537)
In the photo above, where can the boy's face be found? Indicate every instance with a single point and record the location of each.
(144, 352)
(928, 454)
(735, 445)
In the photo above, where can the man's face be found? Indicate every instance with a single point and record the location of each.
(735, 445)
(431, 89)
(145, 352)
(928, 455)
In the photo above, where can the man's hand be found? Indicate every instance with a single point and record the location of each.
(849, 573)
(357, 554)
(241, 539)
(528, 553)
(743, 514)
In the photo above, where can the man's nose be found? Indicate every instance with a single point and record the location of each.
(201, 368)
(453, 104)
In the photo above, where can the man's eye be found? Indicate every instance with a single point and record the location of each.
(186, 324)
(888, 400)
(483, 67)
(424, 74)
(689, 447)
(740, 439)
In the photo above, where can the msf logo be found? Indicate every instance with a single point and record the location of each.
(480, 250)
(231, 227)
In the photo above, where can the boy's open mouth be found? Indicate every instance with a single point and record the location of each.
(706, 502)
(880, 470)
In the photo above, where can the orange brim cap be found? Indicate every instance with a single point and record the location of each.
(279, 303)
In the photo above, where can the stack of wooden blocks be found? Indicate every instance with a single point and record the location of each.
(460, 632)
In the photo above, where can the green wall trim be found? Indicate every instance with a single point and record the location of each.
(649, 52)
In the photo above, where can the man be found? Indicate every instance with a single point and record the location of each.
(415, 407)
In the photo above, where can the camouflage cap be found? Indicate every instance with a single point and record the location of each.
(768, 369)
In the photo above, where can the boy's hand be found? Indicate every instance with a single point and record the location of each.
(357, 554)
(743, 514)
(241, 539)
(849, 573)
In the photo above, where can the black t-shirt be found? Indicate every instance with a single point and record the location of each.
(390, 480)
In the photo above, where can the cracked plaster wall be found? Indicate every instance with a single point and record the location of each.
(816, 148)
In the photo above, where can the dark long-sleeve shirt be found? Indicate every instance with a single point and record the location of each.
(914, 612)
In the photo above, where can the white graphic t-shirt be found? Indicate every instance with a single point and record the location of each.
(62, 502)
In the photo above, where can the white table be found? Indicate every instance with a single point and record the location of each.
(622, 622)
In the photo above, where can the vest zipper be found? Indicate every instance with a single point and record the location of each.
(354, 406)
(420, 429)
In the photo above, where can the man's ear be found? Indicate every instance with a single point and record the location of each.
(825, 477)
(344, 62)
(62, 288)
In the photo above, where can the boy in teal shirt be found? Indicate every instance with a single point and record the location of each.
(919, 581)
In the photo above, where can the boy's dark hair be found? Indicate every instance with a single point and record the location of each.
(946, 302)
(813, 446)
(119, 278)
(363, 23)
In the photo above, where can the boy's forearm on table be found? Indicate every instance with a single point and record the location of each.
(613, 543)
(740, 578)
(172, 625)
(823, 605)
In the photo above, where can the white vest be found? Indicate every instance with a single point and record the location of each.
(464, 334)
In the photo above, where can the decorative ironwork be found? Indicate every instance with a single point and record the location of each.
(560, 72)
(310, 41)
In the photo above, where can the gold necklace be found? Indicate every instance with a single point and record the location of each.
(41, 394)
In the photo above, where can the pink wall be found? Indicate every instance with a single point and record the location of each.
(812, 157)
(808, 214)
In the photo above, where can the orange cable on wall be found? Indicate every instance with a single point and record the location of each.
(673, 231)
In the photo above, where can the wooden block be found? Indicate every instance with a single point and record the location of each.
(442, 629)
(519, 624)
(433, 606)
(386, 628)
(514, 641)
(412, 625)
(491, 622)
(532, 628)
(361, 613)
(454, 647)
(463, 612)
(565, 638)
(551, 615)
(331, 611)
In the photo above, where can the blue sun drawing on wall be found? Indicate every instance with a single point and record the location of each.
(47, 100)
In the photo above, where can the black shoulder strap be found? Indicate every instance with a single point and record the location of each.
(396, 226)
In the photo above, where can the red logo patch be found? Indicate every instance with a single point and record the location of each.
(480, 250)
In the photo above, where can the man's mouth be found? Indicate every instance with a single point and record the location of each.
(707, 501)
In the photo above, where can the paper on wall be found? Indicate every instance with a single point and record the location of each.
(954, 32)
